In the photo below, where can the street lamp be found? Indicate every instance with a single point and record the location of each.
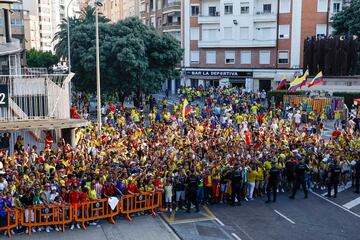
(98, 4)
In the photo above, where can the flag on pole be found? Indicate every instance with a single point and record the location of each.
(304, 78)
(317, 79)
(186, 108)
(295, 84)
(282, 83)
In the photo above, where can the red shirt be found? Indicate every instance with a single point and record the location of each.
(74, 197)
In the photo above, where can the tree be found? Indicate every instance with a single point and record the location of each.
(347, 22)
(37, 59)
(133, 57)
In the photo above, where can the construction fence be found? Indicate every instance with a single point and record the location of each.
(62, 215)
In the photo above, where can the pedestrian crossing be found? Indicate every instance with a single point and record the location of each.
(352, 203)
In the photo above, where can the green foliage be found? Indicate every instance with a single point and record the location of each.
(40, 59)
(279, 95)
(133, 57)
(347, 22)
(348, 97)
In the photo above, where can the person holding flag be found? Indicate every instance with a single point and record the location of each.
(316, 80)
(186, 108)
(282, 83)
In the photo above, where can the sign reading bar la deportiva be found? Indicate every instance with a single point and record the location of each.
(219, 73)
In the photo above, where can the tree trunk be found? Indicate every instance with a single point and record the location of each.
(138, 97)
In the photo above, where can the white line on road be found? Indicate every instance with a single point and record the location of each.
(171, 231)
(236, 236)
(352, 203)
(282, 215)
(220, 222)
(338, 205)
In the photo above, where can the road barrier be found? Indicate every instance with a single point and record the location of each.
(61, 215)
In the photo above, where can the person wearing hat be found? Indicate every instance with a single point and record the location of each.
(300, 170)
(273, 179)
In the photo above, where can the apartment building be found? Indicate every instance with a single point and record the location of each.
(116, 10)
(164, 15)
(44, 19)
(249, 43)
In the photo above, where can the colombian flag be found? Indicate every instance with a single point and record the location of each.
(298, 82)
(186, 108)
(317, 79)
(282, 83)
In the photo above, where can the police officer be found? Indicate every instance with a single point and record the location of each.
(290, 175)
(273, 181)
(192, 182)
(236, 181)
(333, 178)
(300, 169)
(357, 175)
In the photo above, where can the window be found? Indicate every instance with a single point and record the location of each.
(245, 57)
(322, 5)
(229, 57)
(320, 30)
(210, 57)
(228, 8)
(244, 10)
(283, 57)
(228, 33)
(209, 34)
(244, 33)
(267, 8)
(195, 9)
(195, 57)
(194, 33)
(284, 6)
(212, 11)
(284, 31)
(336, 7)
(264, 57)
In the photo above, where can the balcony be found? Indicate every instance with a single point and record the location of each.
(171, 26)
(172, 7)
(208, 19)
(265, 17)
(237, 43)
(12, 47)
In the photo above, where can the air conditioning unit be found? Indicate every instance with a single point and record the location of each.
(217, 14)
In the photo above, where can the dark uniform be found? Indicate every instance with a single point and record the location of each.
(300, 170)
(273, 181)
(357, 176)
(333, 181)
(236, 180)
(290, 168)
(192, 186)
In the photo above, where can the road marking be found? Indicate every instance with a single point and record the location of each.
(220, 222)
(282, 215)
(338, 205)
(191, 220)
(352, 203)
(340, 189)
(236, 236)
(169, 229)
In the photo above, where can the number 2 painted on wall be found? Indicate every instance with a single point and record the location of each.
(2, 98)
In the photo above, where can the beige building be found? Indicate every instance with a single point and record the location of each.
(116, 10)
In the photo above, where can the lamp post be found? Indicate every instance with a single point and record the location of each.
(98, 4)
(68, 35)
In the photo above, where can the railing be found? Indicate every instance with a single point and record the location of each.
(61, 215)
(34, 95)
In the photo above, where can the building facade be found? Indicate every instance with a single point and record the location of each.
(249, 43)
(163, 15)
(44, 19)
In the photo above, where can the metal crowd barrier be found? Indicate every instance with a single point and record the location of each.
(61, 215)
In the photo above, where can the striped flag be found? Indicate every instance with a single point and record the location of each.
(282, 83)
(316, 80)
(186, 108)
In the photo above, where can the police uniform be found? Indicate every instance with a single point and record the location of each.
(236, 180)
(300, 170)
(333, 181)
(192, 186)
(357, 176)
(273, 181)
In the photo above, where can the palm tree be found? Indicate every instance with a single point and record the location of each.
(87, 16)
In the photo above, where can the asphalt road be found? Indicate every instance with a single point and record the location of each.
(314, 218)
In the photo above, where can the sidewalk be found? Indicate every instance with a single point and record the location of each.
(142, 227)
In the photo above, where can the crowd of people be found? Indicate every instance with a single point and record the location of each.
(233, 146)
